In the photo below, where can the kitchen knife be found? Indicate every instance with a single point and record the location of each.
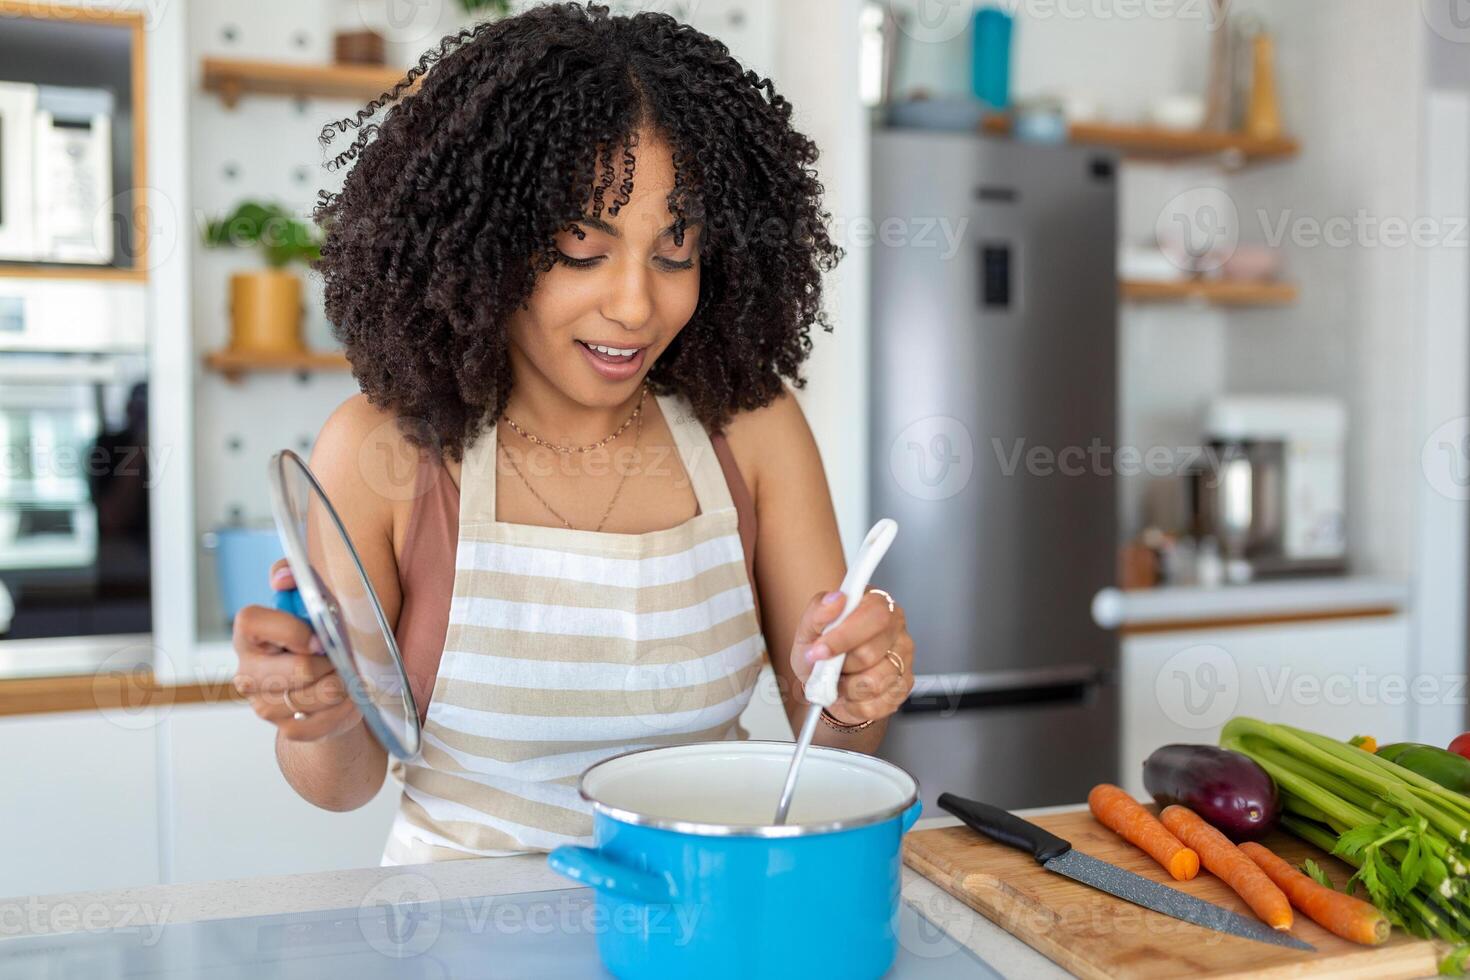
(1057, 856)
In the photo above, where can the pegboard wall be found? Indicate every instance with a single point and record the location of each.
(266, 148)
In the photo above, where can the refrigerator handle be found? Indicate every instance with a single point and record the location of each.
(1049, 687)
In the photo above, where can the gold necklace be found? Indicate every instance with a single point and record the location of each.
(617, 492)
(567, 450)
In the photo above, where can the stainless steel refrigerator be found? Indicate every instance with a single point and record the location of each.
(994, 381)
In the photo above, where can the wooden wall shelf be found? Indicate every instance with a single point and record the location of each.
(1214, 291)
(74, 273)
(232, 78)
(1150, 142)
(236, 364)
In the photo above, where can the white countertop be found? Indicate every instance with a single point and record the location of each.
(1274, 599)
(152, 906)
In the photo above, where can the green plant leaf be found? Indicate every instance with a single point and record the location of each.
(1314, 871)
(1453, 965)
(281, 237)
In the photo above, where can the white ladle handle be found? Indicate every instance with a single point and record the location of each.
(821, 686)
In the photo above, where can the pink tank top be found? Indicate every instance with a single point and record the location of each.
(426, 568)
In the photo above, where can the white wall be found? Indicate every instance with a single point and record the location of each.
(1352, 92)
(817, 69)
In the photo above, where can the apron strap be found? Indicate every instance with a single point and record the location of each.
(477, 480)
(697, 454)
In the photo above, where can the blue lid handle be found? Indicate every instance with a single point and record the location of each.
(289, 601)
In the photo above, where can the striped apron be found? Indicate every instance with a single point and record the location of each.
(566, 647)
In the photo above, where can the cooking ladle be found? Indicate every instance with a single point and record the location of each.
(821, 685)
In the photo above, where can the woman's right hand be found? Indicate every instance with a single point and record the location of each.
(285, 676)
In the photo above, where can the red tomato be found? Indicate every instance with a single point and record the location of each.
(1461, 745)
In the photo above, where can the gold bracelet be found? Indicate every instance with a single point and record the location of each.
(831, 721)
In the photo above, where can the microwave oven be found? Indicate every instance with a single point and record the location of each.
(56, 184)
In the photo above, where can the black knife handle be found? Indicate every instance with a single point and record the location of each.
(1007, 828)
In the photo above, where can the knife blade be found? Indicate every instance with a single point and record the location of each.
(1057, 856)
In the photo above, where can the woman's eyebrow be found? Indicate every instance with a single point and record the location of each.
(597, 224)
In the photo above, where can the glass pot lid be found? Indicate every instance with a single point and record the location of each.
(338, 600)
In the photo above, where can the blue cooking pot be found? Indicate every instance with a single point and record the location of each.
(693, 880)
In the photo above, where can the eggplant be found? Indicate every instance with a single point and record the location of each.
(1228, 790)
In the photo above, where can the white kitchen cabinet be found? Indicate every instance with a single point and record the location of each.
(80, 809)
(233, 814)
(1341, 677)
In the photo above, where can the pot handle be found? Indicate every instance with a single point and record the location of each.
(911, 815)
(595, 869)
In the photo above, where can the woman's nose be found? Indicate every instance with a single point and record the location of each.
(630, 302)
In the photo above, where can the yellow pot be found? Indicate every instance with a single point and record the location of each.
(265, 312)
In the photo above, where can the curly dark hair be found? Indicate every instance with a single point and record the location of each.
(490, 146)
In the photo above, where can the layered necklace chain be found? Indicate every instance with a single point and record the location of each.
(536, 440)
(635, 419)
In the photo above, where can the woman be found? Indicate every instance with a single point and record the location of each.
(573, 271)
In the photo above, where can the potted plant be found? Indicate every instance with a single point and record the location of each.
(494, 8)
(265, 304)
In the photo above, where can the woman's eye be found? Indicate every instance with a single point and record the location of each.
(674, 265)
(577, 263)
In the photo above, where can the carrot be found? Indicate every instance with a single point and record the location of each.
(1227, 863)
(1342, 915)
(1123, 815)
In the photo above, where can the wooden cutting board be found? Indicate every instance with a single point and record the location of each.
(1093, 934)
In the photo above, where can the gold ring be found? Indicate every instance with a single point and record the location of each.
(885, 595)
(299, 714)
(896, 660)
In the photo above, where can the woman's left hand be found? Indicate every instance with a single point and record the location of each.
(878, 672)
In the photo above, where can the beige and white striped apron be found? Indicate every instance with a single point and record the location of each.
(566, 647)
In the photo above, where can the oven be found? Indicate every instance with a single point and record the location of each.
(76, 468)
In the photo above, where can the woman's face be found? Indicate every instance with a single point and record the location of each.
(596, 323)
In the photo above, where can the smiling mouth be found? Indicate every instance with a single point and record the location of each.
(610, 354)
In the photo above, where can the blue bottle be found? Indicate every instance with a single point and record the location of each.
(991, 64)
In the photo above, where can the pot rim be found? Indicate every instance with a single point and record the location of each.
(702, 829)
